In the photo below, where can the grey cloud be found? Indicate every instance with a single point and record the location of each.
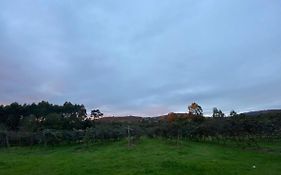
(146, 57)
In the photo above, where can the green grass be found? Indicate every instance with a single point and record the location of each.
(147, 157)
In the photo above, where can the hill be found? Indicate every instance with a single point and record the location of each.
(260, 112)
(123, 119)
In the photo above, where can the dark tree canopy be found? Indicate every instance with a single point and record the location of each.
(42, 115)
(95, 113)
(217, 112)
(233, 113)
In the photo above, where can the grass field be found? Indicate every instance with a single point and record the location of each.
(147, 157)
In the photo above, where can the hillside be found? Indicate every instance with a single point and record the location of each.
(256, 113)
(135, 119)
(127, 119)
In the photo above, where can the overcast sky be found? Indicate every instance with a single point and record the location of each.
(145, 57)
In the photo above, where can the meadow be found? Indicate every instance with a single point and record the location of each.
(148, 156)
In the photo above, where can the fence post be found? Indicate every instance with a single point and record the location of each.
(7, 140)
(129, 136)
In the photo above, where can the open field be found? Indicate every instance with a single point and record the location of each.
(149, 156)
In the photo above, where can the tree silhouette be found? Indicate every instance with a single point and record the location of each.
(96, 114)
(195, 109)
(232, 113)
(217, 112)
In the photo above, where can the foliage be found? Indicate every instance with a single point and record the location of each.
(195, 109)
(44, 123)
(36, 117)
(232, 113)
(96, 114)
(217, 112)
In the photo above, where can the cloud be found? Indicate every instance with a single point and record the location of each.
(145, 58)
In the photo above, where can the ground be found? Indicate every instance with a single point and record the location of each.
(149, 156)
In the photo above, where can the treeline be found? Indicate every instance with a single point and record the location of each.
(239, 128)
(49, 124)
(37, 117)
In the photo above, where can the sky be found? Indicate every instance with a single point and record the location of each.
(147, 57)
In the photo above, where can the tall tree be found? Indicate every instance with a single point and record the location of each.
(195, 109)
(217, 112)
(233, 113)
(95, 113)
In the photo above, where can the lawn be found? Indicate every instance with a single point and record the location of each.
(149, 156)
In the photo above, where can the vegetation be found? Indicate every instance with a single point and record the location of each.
(49, 124)
(36, 117)
(177, 143)
(149, 156)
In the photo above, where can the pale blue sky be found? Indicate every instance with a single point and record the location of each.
(145, 57)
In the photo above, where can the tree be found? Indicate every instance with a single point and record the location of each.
(195, 109)
(233, 113)
(29, 123)
(82, 112)
(95, 113)
(53, 121)
(217, 112)
(171, 117)
(13, 111)
(3, 115)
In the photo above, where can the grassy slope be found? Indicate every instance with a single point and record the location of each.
(148, 157)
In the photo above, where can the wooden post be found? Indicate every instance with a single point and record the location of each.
(129, 136)
(178, 138)
(45, 139)
(7, 140)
